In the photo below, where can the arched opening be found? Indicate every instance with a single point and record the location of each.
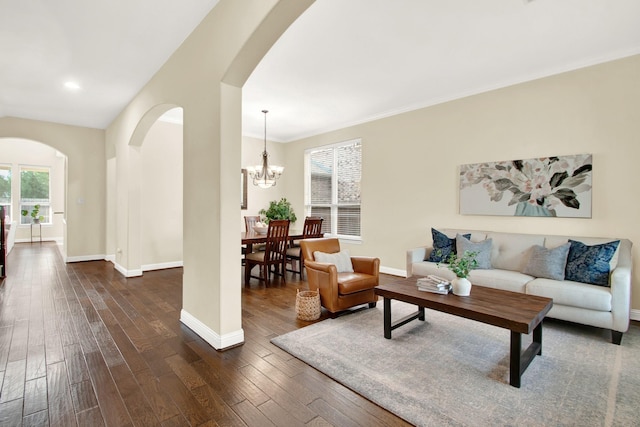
(33, 189)
(154, 195)
(161, 164)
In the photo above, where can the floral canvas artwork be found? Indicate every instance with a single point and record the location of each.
(548, 186)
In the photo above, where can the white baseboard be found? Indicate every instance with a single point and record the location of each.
(162, 266)
(216, 341)
(635, 314)
(81, 258)
(393, 271)
(127, 273)
(110, 258)
(37, 240)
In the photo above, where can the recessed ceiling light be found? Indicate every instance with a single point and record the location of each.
(72, 85)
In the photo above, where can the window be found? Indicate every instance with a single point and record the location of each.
(5, 189)
(332, 190)
(34, 191)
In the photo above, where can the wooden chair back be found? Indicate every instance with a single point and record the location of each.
(277, 240)
(312, 227)
(250, 221)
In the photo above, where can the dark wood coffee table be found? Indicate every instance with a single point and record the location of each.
(520, 313)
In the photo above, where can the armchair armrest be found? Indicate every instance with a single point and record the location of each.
(323, 277)
(366, 265)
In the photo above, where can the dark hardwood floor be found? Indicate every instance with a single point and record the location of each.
(82, 345)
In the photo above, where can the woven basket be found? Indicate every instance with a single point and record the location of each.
(308, 305)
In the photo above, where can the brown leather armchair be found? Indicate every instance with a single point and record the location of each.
(340, 291)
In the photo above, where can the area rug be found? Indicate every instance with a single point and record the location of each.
(450, 371)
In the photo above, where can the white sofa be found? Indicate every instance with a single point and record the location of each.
(600, 306)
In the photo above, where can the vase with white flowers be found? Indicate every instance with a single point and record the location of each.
(461, 266)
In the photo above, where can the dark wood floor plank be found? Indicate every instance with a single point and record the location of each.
(333, 415)
(61, 411)
(35, 396)
(91, 417)
(108, 350)
(36, 362)
(288, 402)
(76, 365)
(5, 341)
(252, 415)
(19, 341)
(185, 372)
(83, 396)
(139, 409)
(216, 407)
(38, 419)
(163, 407)
(11, 413)
(184, 399)
(14, 381)
(112, 406)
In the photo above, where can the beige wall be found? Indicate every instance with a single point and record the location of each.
(161, 196)
(204, 77)
(23, 152)
(411, 160)
(85, 204)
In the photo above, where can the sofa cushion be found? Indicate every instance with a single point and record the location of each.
(574, 294)
(506, 280)
(349, 283)
(425, 268)
(443, 246)
(483, 250)
(510, 251)
(590, 264)
(547, 263)
(341, 260)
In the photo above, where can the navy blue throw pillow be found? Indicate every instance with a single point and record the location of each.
(590, 264)
(443, 244)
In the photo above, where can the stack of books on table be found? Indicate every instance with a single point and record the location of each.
(435, 284)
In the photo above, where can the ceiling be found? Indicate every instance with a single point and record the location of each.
(341, 63)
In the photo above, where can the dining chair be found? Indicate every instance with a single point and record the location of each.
(312, 229)
(249, 222)
(274, 254)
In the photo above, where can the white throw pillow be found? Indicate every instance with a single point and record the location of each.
(342, 260)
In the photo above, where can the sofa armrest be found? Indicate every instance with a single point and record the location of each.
(416, 255)
(366, 265)
(621, 287)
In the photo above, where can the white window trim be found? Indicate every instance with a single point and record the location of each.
(334, 178)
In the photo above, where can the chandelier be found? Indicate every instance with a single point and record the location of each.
(264, 176)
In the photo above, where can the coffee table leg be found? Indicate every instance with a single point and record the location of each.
(537, 337)
(387, 318)
(514, 368)
(520, 360)
(421, 313)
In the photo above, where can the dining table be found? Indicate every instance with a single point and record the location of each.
(250, 238)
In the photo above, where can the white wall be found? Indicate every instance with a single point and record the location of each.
(410, 161)
(161, 225)
(23, 152)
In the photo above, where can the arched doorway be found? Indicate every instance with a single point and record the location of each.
(34, 174)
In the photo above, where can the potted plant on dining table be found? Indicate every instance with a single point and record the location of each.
(278, 210)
